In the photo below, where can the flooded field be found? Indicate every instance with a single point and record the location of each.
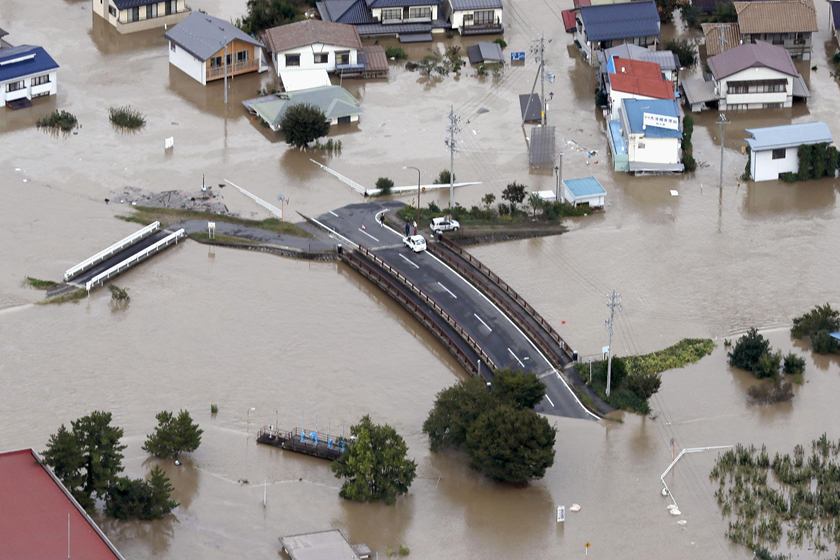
(292, 338)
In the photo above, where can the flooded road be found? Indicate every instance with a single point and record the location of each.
(289, 338)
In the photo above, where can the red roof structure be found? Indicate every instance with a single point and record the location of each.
(580, 3)
(640, 77)
(36, 511)
(569, 20)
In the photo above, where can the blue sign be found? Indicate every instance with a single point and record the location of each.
(517, 56)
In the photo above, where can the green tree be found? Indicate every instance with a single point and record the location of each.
(514, 193)
(821, 318)
(794, 364)
(666, 10)
(644, 385)
(535, 202)
(768, 365)
(374, 467)
(99, 444)
(518, 388)
(65, 458)
(824, 344)
(805, 154)
(173, 435)
(161, 502)
(511, 445)
(684, 50)
(129, 498)
(384, 184)
(688, 132)
(748, 350)
(303, 123)
(455, 410)
(443, 178)
(487, 200)
(617, 374)
(725, 12)
(265, 14)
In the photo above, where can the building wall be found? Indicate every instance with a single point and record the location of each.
(615, 101)
(653, 150)
(457, 17)
(307, 57)
(798, 48)
(755, 100)
(764, 168)
(187, 63)
(593, 200)
(29, 91)
(235, 46)
(120, 20)
(376, 13)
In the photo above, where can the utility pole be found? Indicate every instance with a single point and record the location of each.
(539, 56)
(452, 129)
(613, 302)
(722, 122)
(542, 76)
(226, 65)
(559, 170)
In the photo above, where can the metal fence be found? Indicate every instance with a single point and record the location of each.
(111, 251)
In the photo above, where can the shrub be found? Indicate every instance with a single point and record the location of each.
(770, 392)
(397, 53)
(690, 15)
(61, 120)
(443, 178)
(514, 193)
(769, 364)
(748, 350)
(689, 162)
(824, 344)
(688, 131)
(265, 14)
(794, 364)
(789, 177)
(119, 295)
(126, 117)
(821, 318)
(501, 42)
(617, 374)
(40, 284)
(684, 50)
(214, 409)
(724, 13)
(404, 550)
(644, 385)
(303, 123)
(488, 199)
(600, 98)
(385, 185)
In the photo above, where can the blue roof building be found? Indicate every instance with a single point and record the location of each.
(604, 26)
(26, 72)
(652, 134)
(586, 191)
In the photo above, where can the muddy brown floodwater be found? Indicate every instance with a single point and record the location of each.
(292, 338)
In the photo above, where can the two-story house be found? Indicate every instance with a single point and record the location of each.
(650, 135)
(129, 16)
(474, 17)
(635, 79)
(26, 72)
(313, 45)
(605, 26)
(788, 24)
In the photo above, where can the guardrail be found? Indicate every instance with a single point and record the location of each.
(267, 205)
(390, 287)
(458, 250)
(134, 259)
(110, 251)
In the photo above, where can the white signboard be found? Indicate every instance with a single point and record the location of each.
(169, 143)
(651, 119)
(211, 225)
(605, 349)
(561, 514)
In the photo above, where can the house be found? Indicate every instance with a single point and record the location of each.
(198, 44)
(475, 17)
(128, 16)
(604, 26)
(721, 37)
(835, 19)
(3, 43)
(26, 72)
(635, 79)
(789, 24)
(323, 545)
(314, 45)
(647, 137)
(775, 150)
(569, 23)
(336, 103)
(41, 518)
(409, 20)
(669, 62)
(584, 192)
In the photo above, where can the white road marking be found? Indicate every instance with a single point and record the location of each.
(517, 358)
(369, 235)
(409, 261)
(483, 323)
(333, 213)
(549, 400)
(451, 294)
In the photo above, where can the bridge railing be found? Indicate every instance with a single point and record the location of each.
(484, 269)
(111, 251)
(386, 283)
(134, 259)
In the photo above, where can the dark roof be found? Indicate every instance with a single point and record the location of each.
(354, 12)
(579, 3)
(309, 32)
(202, 36)
(124, 4)
(484, 51)
(707, 6)
(33, 60)
(534, 109)
(399, 3)
(38, 511)
(3, 32)
(392, 29)
(835, 14)
(606, 22)
(757, 55)
(476, 4)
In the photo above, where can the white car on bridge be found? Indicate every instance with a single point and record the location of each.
(415, 242)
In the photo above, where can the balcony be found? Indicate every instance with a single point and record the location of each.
(232, 69)
(478, 28)
(152, 23)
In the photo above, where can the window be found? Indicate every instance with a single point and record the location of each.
(757, 86)
(772, 106)
(392, 14)
(216, 62)
(170, 7)
(322, 58)
(800, 38)
(112, 10)
(15, 86)
(151, 11)
(292, 60)
(38, 80)
(418, 13)
(641, 146)
(132, 14)
(242, 56)
(172, 46)
(484, 17)
(342, 57)
(779, 154)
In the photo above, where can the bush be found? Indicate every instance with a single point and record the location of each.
(443, 178)
(690, 15)
(600, 98)
(794, 364)
(514, 193)
(384, 184)
(769, 364)
(40, 284)
(214, 409)
(173, 435)
(397, 53)
(688, 132)
(126, 117)
(689, 162)
(265, 14)
(748, 350)
(725, 12)
(821, 318)
(303, 123)
(119, 295)
(824, 344)
(61, 120)
(518, 388)
(644, 385)
(789, 177)
(501, 42)
(684, 50)
(770, 392)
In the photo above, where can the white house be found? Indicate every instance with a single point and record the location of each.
(584, 192)
(314, 45)
(473, 17)
(635, 79)
(652, 135)
(198, 44)
(26, 72)
(128, 16)
(775, 150)
(604, 26)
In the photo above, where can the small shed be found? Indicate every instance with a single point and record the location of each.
(325, 545)
(586, 191)
(542, 146)
(775, 150)
(485, 52)
(530, 107)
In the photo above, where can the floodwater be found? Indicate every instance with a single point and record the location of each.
(297, 339)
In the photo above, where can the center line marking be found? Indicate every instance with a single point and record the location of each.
(451, 294)
(369, 235)
(483, 323)
(517, 359)
(333, 213)
(549, 400)
(409, 261)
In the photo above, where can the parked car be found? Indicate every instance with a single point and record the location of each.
(444, 224)
(415, 242)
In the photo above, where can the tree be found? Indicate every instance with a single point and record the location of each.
(66, 460)
(824, 344)
(748, 350)
(455, 410)
(821, 318)
(488, 199)
(684, 50)
(666, 10)
(514, 193)
(140, 499)
(794, 364)
(99, 444)
(265, 14)
(384, 184)
(374, 467)
(768, 365)
(518, 388)
(303, 123)
(173, 436)
(443, 178)
(511, 445)
(535, 202)
(617, 374)
(725, 12)
(161, 504)
(644, 385)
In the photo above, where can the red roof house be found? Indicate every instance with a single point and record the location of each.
(569, 22)
(40, 519)
(637, 78)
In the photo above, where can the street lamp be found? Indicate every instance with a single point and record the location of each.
(252, 409)
(418, 196)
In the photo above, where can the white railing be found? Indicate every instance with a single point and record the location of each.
(134, 259)
(110, 251)
(667, 491)
(356, 186)
(268, 206)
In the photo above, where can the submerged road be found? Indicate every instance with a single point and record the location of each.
(494, 331)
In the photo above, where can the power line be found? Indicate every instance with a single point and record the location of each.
(453, 128)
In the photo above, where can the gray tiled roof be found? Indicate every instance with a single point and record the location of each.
(3, 32)
(606, 22)
(476, 4)
(354, 12)
(379, 29)
(401, 3)
(202, 35)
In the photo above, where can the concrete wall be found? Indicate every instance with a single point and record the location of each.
(593, 200)
(307, 57)
(377, 14)
(755, 100)
(764, 168)
(187, 63)
(653, 150)
(29, 91)
(457, 17)
(615, 101)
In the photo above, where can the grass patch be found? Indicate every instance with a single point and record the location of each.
(687, 351)
(126, 117)
(170, 216)
(220, 238)
(72, 297)
(397, 53)
(61, 120)
(40, 284)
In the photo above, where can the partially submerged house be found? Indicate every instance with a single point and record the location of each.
(605, 26)
(669, 62)
(485, 52)
(26, 72)
(787, 23)
(835, 19)
(474, 17)
(586, 191)
(129, 16)
(208, 48)
(774, 150)
(337, 103)
(647, 137)
(635, 79)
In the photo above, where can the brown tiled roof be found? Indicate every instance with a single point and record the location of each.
(791, 16)
(375, 59)
(312, 31)
(731, 37)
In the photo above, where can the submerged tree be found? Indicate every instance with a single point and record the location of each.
(518, 388)
(303, 123)
(140, 499)
(173, 435)
(455, 410)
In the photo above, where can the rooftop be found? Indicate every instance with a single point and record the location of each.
(752, 55)
(788, 136)
(835, 14)
(334, 101)
(353, 12)
(606, 22)
(326, 545)
(569, 21)
(712, 31)
(635, 110)
(484, 51)
(24, 60)
(587, 186)
(788, 16)
(475, 4)
(310, 32)
(37, 511)
(665, 59)
(639, 78)
(399, 3)
(125, 4)
(202, 36)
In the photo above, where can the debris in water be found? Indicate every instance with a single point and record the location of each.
(483, 110)
(675, 511)
(674, 193)
(575, 507)
(682, 522)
